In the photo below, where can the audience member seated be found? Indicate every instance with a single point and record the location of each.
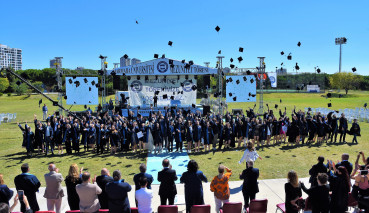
(219, 185)
(293, 192)
(319, 195)
(101, 181)
(71, 181)
(5, 193)
(54, 191)
(117, 192)
(144, 197)
(87, 192)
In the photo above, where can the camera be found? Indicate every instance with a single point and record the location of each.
(363, 172)
(20, 195)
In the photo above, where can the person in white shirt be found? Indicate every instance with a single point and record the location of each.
(144, 197)
(250, 154)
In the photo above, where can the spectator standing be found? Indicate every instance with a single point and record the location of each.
(316, 169)
(71, 181)
(5, 193)
(44, 112)
(319, 194)
(345, 163)
(54, 191)
(136, 178)
(144, 197)
(340, 187)
(101, 181)
(87, 192)
(293, 192)
(250, 182)
(117, 192)
(167, 178)
(219, 185)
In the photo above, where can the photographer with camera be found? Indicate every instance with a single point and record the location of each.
(360, 190)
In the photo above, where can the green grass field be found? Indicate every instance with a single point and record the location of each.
(277, 160)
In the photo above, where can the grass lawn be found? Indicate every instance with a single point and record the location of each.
(277, 160)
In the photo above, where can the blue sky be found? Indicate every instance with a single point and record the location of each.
(81, 30)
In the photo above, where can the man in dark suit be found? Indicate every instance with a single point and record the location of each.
(142, 173)
(101, 181)
(29, 184)
(316, 169)
(345, 163)
(343, 128)
(167, 178)
(117, 192)
(250, 182)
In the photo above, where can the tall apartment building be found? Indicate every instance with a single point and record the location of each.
(135, 61)
(10, 57)
(124, 62)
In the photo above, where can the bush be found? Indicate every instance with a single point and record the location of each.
(19, 89)
(9, 94)
(4, 84)
(1, 94)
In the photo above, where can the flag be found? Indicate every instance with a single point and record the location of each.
(273, 79)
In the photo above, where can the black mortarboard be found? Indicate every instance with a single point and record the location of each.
(18, 83)
(215, 95)
(230, 79)
(125, 56)
(227, 81)
(289, 57)
(193, 106)
(297, 66)
(234, 98)
(136, 22)
(182, 92)
(170, 61)
(70, 81)
(318, 70)
(276, 106)
(65, 97)
(97, 85)
(170, 43)
(183, 61)
(232, 66)
(113, 73)
(40, 102)
(74, 77)
(89, 89)
(217, 28)
(240, 49)
(248, 72)
(92, 83)
(156, 56)
(190, 62)
(55, 103)
(194, 87)
(299, 44)
(253, 95)
(157, 92)
(238, 81)
(163, 56)
(249, 94)
(329, 105)
(89, 101)
(77, 83)
(191, 79)
(85, 80)
(179, 92)
(182, 84)
(282, 53)
(252, 80)
(220, 52)
(230, 94)
(165, 96)
(240, 59)
(231, 60)
(329, 95)
(244, 78)
(365, 105)
(280, 100)
(171, 97)
(354, 69)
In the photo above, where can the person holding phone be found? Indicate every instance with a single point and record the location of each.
(4, 208)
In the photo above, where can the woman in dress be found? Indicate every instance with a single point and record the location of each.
(293, 192)
(189, 136)
(71, 182)
(250, 154)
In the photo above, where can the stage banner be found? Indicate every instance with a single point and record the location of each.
(172, 91)
(273, 79)
(163, 66)
(240, 88)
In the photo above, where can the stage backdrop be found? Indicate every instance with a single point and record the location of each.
(141, 92)
(241, 88)
(85, 94)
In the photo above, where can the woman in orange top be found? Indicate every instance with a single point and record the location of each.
(219, 185)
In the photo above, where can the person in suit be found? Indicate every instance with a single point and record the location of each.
(29, 184)
(345, 163)
(167, 188)
(71, 181)
(5, 193)
(192, 180)
(54, 191)
(87, 192)
(250, 182)
(144, 197)
(316, 169)
(319, 194)
(293, 192)
(101, 181)
(49, 133)
(117, 192)
(136, 178)
(343, 128)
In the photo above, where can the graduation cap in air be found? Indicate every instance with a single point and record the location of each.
(240, 59)
(231, 60)
(230, 79)
(65, 97)
(157, 92)
(227, 81)
(238, 81)
(244, 78)
(365, 105)
(329, 105)
(92, 83)
(190, 62)
(18, 83)
(217, 28)
(280, 100)
(191, 79)
(232, 66)
(282, 53)
(222, 73)
(252, 80)
(85, 80)
(89, 89)
(289, 57)
(156, 55)
(220, 52)
(193, 106)
(182, 92)
(299, 44)
(85, 106)
(248, 72)
(70, 81)
(182, 84)
(125, 56)
(77, 83)
(171, 97)
(253, 95)
(163, 56)
(170, 43)
(318, 70)
(194, 87)
(136, 22)
(354, 69)
(89, 101)
(39, 102)
(230, 94)
(234, 98)
(97, 85)
(165, 96)
(297, 66)
(276, 106)
(329, 95)
(74, 77)
(240, 49)
(55, 103)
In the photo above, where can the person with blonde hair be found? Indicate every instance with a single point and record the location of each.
(71, 181)
(250, 154)
(293, 192)
(5, 193)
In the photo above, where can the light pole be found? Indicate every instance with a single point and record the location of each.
(220, 83)
(104, 65)
(59, 79)
(340, 41)
(261, 72)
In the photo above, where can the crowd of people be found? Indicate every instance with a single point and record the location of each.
(197, 132)
(329, 187)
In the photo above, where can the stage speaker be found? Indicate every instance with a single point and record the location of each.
(236, 111)
(116, 82)
(205, 110)
(206, 81)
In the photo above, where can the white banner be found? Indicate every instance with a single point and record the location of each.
(178, 92)
(273, 79)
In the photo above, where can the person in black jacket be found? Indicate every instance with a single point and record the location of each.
(250, 182)
(293, 192)
(345, 163)
(340, 187)
(319, 195)
(136, 177)
(101, 181)
(117, 192)
(5, 193)
(71, 181)
(343, 128)
(355, 130)
(167, 178)
(316, 169)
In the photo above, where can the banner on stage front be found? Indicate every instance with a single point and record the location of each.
(273, 79)
(141, 92)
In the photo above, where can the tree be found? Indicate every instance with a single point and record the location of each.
(19, 89)
(4, 84)
(345, 80)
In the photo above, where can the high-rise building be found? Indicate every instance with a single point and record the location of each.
(125, 62)
(135, 61)
(52, 63)
(10, 57)
(80, 68)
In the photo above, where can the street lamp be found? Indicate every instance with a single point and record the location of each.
(340, 41)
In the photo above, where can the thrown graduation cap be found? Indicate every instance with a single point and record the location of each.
(191, 79)
(230, 94)
(163, 56)
(227, 81)
(329, 105)
(282, 53)
(39, 102)
(276, 106)
(329, 95)
(232, 66)
(85, 80)
(220, 52)
(299, 44)
(365, 105)
(156, 56)
(136, 22)
(182, 84)
(194, 87)
(248, 72)
(125, 56)
(318, 70)
(157, 92)
(280, 100)
(183, 61)
(231, 60)
(297, 66)
(92, 83)
(244, 78)
(170, 43)
(217, 28)
(354, 69)
(234, 98)
(77, 83)
(89, 89)
(85, 106)
(70, 81)
(240, 59)
(74, 77)
(252, 80)
(289, 57)
(193, 106)
(18, 83)
(165, 96)
(89, 101)
(253, 95)
(240, 49)
(65, 97)
(171, 97)
(230, 79)
(238, 82)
